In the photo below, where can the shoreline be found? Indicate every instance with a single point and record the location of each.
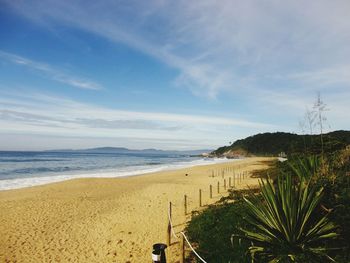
(19, 183)
(107, 219)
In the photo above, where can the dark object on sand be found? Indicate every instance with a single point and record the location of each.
(158, 253)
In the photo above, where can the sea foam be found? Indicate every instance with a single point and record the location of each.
(16, 183)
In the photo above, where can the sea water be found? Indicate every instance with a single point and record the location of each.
(23, 169)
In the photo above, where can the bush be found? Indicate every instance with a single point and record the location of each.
(337, 200)
(289, 227)
(211, 231)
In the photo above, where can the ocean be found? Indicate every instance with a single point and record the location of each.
(24, 169)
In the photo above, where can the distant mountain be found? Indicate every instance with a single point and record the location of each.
(143, 151)
(289, 143)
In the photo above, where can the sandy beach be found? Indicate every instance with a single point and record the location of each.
(106, 220)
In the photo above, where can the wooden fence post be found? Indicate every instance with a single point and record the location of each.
(182, 249)
(225, 184)
(168, 239)
(211, 191)
(200, 197)
(229, 182)
(185, 204)
(218, 187)
(170, 210)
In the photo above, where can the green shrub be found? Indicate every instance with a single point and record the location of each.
(337, 200)
(211, 230)
(305, 168)
(289, 228)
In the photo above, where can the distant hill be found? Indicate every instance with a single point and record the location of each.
(289, 143)
(126, 151)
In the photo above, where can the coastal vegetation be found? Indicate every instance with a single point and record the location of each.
(291, 144)
(300, 212)
(286, 221)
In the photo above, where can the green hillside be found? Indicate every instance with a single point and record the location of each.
(289, 143)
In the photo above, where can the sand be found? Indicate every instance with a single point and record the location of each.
(106, 219)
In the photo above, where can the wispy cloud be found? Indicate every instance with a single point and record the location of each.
(336, 76)
(66, 110)
(273, 54)
(219, 46)
(52, 116)
(51, 72)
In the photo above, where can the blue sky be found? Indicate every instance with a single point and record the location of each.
(167, 74)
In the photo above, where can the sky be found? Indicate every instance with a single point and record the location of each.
(168, 74)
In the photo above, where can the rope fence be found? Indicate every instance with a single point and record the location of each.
(237, 177)
(184, 236)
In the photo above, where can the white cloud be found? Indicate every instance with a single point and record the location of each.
(274, 54)
(66, 109)
(39, 114)
(218, 45)
(55, 74)
(323, 78)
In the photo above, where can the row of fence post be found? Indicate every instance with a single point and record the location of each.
(224, 170)
(241, 176)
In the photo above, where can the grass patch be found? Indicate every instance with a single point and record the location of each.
(211, 230)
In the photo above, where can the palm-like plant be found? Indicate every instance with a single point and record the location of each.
(305, 169)
(288, 228)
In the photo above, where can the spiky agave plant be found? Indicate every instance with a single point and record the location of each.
(288, 225)
(305, 169)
